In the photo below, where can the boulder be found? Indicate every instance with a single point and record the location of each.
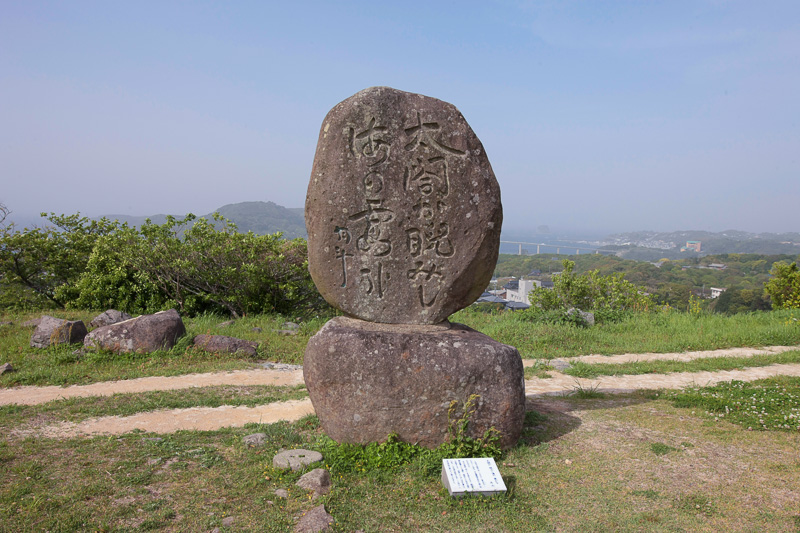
(368, 380)
(108, 317)
(403, 209)
(256, 440)
(586, 316)
(315, 520)
(223, 344)
(142, 334)
(52, 331)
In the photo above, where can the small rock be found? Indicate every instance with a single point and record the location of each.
(255, 440)
(291, 326)
(257, 330)
(225, 324)
(108, 317)
(318, 480)
(215, 530)
(223, 344)
(151, 462)
(6, 367)
(296, 459)
(567, 462)
(6, 323)
(560, 364)
(317, 519)
(228, 521)
(282, 493)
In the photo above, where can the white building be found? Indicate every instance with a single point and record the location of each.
(715, 292)
(521, 294)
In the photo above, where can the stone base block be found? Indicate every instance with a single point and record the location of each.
(367, 380)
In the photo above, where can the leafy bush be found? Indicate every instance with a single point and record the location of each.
(589, 291)
(784, 286)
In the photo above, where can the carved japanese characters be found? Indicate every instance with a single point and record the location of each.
(403, 210)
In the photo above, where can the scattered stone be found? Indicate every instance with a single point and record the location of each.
(32, 323)
(282, 493)
(403, 209)
(106, 318)
(223, 344)
(228, 521)
(142, 334)
(368, 380)
(560, 364)
(155, 461)
(6, 323)
(257, 330)
(225, 324)
(296, 459)
(52, 331)
(315, 520)
(256, 440)
(587, 316)
(290, 325)
(318, 480)
(6, 367)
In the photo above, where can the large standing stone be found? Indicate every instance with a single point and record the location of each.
(403, 210)
(52, 331)
(142, 334)
(369, 380)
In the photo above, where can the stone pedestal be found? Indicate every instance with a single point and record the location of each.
(367, 380)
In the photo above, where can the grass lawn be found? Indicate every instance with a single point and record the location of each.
(614, 463)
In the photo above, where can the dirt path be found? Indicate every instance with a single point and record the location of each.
(171, 420)
(560, 383)
(202, 418)
(37, 395)
(675, 356)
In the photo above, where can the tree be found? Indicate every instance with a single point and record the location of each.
(50, 259)
(784, 286)
(589, 291)
(4, 212)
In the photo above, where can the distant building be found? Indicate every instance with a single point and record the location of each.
(718, 266)
(716, 291)
(692, 245)
(520, 294)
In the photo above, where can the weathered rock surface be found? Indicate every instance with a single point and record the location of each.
(223, 344)
(108, 317)
(52, 331)
(296, 459)
(318, 480)
(315, 520)
(403, 209)
(256, 440)
(6, 367)
(142, 334)
(369, 380)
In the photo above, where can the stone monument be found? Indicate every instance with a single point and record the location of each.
(403, 216)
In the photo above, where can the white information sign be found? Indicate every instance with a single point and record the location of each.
(477, 476)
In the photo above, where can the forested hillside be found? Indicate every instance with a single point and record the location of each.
(669, 281)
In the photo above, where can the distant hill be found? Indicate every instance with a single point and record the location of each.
(258, 217)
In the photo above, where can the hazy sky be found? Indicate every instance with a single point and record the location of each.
(596, 116)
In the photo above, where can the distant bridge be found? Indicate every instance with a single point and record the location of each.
(558, 247)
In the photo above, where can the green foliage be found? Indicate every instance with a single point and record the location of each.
(195, 265)
(769, 404)
(49, 260)
(738, 300)
(784, 286)
(588, 291)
